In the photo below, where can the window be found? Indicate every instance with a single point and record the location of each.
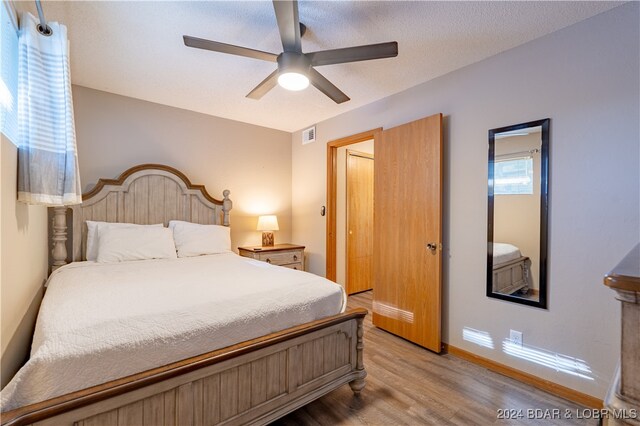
(513, 176)
(8, 73)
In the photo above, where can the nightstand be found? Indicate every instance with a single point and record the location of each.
(287, 255)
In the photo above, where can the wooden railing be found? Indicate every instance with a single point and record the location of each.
(623, 399)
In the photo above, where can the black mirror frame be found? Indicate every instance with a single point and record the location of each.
(544, 213)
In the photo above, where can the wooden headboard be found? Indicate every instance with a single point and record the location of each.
(145, 194)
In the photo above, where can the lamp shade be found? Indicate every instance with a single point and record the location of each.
(268, 223)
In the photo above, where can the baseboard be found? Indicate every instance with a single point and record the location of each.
(537, 382)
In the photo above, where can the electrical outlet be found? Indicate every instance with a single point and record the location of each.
(516, 337)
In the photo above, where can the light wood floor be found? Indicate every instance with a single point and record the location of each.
(408, 385)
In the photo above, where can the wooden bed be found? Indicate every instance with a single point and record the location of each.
(512, 276)
(253, 382)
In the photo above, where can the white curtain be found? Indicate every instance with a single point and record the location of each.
(47, 155)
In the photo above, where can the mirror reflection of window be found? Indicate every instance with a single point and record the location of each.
(513, 176)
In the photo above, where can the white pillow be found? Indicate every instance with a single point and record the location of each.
(193, 239)
(135, 243)
(92, 235)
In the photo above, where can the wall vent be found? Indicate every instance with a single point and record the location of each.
(309, 135)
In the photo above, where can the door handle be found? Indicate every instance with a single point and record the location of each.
(432, 246)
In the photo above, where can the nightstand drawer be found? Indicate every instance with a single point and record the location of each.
(287, 255)
(296, 266)
(281, 258)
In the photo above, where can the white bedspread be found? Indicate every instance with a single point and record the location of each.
(99, 322)
(503, 253)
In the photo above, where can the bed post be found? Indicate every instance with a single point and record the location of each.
(59, 238)
(227, 205)
(359, 384)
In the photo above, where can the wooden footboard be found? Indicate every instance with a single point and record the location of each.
(511, 276)
(254, 382)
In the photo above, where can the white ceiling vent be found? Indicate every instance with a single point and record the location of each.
(309, 135)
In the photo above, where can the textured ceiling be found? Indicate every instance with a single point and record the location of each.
(135, 49)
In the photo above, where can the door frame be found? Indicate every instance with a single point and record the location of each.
(332, 188)
(360, 154)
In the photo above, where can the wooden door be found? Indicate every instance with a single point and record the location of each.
(408, 218)
(359, 250)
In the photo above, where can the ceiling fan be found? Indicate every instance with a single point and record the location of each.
(296, 69)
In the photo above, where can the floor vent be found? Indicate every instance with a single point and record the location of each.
(309, 135)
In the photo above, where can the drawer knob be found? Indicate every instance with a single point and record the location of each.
(295, 267)
(268, 260)
(295, 257)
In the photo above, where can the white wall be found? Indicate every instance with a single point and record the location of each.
(341, 206)
(23, 265)
(116, 132)
(585, 78)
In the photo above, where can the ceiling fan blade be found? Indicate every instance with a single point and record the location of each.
(200, 43)
(326, 87)
(265, 85)
(288, 24)
(354, 54)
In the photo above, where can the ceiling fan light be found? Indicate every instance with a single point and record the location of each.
(293, 81)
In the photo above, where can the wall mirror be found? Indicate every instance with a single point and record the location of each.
(518, 204)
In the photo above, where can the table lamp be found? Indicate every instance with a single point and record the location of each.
(267, 224)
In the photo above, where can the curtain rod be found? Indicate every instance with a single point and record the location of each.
(43, 28)
(509, 154)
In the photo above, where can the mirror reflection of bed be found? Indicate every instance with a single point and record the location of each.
(516, 229)
(512, 271)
